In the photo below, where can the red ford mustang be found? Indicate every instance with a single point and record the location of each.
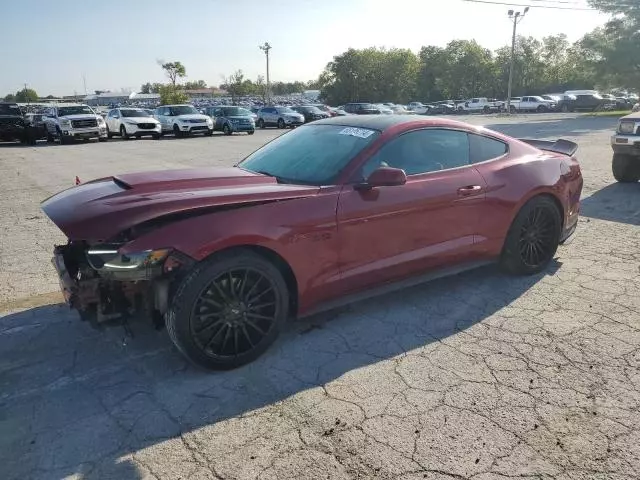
(323, 213)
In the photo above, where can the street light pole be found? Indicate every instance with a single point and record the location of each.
(265, 48)
(516, 17)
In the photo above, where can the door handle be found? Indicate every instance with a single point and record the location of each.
(469, 190)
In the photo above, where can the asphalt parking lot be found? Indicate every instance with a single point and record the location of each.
(479, 376)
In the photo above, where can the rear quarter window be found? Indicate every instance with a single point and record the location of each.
(485, 148)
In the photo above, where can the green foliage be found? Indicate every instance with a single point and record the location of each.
(371, 74)
(197, 85)
(150, 87)
(26, 95)
(615, 48)
(172, 94)
(464, 69)
(174, 70)
(10, 97)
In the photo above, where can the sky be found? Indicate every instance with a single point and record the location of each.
(116, 44)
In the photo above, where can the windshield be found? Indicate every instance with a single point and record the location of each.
(284, 110)
(130, 112)
(183, 110)
(310, 109)
(236, 111)
(9, 109)
(311, 155)
(76, 110)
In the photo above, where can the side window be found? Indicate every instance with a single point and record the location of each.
(485, 148)
(422, 151)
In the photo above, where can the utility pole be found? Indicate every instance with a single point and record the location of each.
(265, 48)
(516, 17)
(25, 94)
(84, 81)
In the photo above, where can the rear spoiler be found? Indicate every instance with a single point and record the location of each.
(565, 147)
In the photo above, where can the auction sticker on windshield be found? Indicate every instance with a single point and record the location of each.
(357, 132)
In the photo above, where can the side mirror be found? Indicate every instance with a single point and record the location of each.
(384, 177)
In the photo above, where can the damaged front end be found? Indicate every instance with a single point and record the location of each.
(105, 285)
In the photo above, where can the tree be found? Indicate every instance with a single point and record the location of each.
(49, 97)
(615, 48)
(371, 74)
(236, 85)
(10, 97)
(174, 70)
(26, 95)
(260, 88)
(172, 94)
(197, 85)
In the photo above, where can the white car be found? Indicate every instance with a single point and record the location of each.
(132, 122)
(72, 121)
(183, 120)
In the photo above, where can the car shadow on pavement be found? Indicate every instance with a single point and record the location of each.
(74, 400)
(618, 202)
(567, 127)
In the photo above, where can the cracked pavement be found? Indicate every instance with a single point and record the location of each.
(479, 376)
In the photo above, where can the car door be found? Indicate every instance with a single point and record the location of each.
(218, 114)
(163, 118)
(113, 120)
(391, 232)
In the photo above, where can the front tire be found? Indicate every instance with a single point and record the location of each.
(176, 132)
(625, 168)
(228, 310)
(260, 123)
(533, 238)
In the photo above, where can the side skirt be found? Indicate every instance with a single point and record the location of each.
(395, 286)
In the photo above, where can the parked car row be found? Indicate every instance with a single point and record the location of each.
(569, 101)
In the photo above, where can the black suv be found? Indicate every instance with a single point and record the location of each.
(310, 113)
(13, 125)
(361, 109)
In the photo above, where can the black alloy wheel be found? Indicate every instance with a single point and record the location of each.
(234, 313)
(533, 238)
(229, 310)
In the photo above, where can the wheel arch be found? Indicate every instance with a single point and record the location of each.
(539, 194)
(276, 259)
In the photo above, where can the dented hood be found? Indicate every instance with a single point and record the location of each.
(99, 210)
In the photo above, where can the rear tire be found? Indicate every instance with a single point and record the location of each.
(260, 123)
(123, 133)
(50, 138)
(533, 237)
(625, 168)
(213, 317)
(226, 129)
(281, 124)
(251, 132)
(564, 108)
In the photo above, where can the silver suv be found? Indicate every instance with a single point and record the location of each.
(280, 117)
(71, 121)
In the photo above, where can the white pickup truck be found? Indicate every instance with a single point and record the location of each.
(532, 104)
(71, 121)
(480, 104)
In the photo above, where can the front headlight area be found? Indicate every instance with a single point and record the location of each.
(109, 262)
(626, 127)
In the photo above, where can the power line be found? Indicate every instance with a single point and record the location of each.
(491, 2)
